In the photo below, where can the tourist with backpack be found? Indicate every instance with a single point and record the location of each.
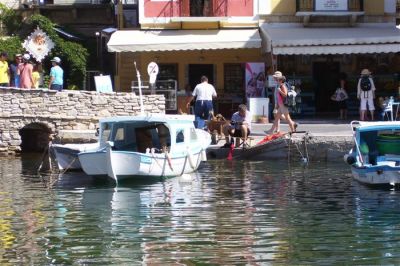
(281, 102)
(366, 94)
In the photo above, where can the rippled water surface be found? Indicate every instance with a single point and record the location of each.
(240, 212)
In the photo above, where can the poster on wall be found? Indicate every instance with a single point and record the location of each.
(331, 5)
(255, 80)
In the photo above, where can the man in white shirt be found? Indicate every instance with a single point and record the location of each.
(203, 107)
(240, 126)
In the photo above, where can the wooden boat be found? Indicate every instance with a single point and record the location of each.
(375, 157)
(150, 145)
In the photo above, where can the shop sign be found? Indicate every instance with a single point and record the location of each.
(331, 5)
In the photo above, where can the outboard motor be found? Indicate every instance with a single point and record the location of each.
(349, 159)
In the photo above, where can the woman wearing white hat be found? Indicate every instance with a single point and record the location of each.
(280, 109)
(366, 94)
(25, 70)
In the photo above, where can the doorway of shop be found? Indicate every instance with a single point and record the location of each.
(326, 79)
(198, 70)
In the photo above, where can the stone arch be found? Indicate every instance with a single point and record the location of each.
(35, 137)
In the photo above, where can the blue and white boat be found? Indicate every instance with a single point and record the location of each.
(148, 145)
(375, 157)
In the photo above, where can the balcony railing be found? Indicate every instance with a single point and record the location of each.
(310, 6)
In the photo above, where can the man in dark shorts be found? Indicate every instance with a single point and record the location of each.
(239, 127)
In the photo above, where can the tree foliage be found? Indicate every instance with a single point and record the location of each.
(73, 55)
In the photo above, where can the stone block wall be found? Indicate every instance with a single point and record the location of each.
(67, 110)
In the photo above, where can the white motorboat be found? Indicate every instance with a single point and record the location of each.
(148, 145)
(375, 157)
(66, 155)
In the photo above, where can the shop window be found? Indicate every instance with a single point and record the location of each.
(233, 78)
(168, 71)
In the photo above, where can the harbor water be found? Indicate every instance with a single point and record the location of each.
(228, 213)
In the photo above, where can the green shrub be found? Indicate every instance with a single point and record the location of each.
(73, 55)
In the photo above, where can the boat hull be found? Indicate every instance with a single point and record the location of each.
(376, 175)
(126, 165)
(66, 155)
(122, 165)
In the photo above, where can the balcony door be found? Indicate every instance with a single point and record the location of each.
(197, 8)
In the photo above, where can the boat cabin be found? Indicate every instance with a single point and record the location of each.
(135, 135)
(381, 140)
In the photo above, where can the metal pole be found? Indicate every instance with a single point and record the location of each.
(140, 90)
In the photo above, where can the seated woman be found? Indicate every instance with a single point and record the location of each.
(240, 126)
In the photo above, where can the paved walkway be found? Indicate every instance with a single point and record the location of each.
(317, 127)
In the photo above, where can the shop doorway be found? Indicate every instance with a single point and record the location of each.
(198, 70)
(326, 79)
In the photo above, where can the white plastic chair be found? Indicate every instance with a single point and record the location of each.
(389, 109)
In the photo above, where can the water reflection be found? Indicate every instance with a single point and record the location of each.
(230, 212)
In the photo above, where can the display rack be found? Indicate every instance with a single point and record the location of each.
(168, 88)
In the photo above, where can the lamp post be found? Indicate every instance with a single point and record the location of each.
(98, 51)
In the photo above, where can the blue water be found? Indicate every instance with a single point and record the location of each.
(229, 213)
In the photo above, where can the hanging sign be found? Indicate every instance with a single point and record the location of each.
(38, 44)
(152, 70)
(331, 5)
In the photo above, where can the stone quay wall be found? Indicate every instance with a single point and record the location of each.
(54, 111)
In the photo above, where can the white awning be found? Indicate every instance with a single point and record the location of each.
(295, 39)
(172, 40)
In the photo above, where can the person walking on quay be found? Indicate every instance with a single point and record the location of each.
(280, 93)
(239, 127)
(366, 94)
(25, 70)
(56, 75)
(203, 107)
(4, 71)
(14, 80)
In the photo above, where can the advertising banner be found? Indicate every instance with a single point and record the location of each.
(255, 80)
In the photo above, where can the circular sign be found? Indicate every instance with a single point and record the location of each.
(152, 69)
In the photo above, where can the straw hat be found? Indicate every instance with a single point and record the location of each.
(365, 71)
(277, 74)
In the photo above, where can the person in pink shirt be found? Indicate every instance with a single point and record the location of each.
(25, 70)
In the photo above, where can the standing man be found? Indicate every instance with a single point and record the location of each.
(366, 94)
(25, 70)
(203, 107)
(56, 75)
(14, 82)
(4, 71)
(240, 126)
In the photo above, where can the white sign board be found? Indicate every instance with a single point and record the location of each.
(331, 5)
(258, 107)
(103, 83)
